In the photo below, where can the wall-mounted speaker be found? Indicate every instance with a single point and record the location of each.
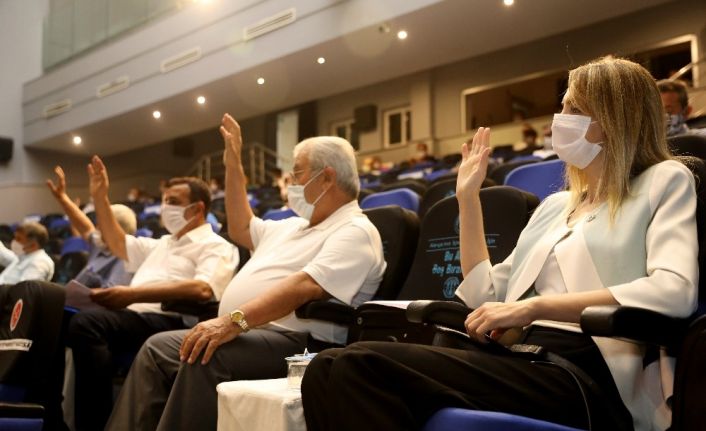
(5, 149)
(365, 118)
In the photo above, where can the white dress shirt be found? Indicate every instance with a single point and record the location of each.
(36, 265)
(200, 254)
(343, 254)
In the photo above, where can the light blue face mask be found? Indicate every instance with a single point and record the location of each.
(297, 200)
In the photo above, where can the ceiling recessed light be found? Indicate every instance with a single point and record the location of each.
(508, 2)
(402, 35)
(77, 140)
(321, 60)
(157, 115)
(260, 80)
(200, 100)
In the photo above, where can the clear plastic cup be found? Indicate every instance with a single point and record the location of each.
(296, 366)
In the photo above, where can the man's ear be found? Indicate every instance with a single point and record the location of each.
(329, 176)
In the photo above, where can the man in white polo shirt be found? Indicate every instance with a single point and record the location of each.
(193, 263)
(331, 251)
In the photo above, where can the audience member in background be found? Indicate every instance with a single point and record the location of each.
(529, 143)
(26, 259)
(192, 263)
(172, 383)
(215, 185)
(422, 154)
(283, 184)
(102, 269)
(675, 99)
(624, 233)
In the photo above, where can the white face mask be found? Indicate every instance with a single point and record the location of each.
(173, 218)
(17, 248)
(569, 140)
(297, 201)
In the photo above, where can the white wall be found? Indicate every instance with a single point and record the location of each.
(21, 180)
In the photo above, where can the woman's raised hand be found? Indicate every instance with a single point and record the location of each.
(474, 164)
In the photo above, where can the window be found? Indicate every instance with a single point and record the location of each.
(515, 100)
(344, 129)
(397, 127)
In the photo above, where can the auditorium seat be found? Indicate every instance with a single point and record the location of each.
(30, 321)
(688, 145)
(279, 214)
(402, 197)
(541, 178)
(399, 230)
(436, 269)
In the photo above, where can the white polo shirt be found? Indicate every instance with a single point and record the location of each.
(36, 265)
(343, 254)
(200, 254)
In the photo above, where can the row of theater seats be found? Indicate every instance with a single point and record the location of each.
(432, 273)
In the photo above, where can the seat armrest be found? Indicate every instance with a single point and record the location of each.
(21, 410)
(443, 313)
(633, 323)
(329, 311)
(202, 310)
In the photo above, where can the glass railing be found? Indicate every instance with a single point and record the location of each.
(75, 26)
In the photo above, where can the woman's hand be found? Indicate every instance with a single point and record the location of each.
(497, 317)
(474, 164)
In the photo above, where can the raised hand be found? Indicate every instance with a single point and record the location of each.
(98, 178)
(230, 130)
(474, 163)
(58, 189)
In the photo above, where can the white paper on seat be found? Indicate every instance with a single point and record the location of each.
(78, 296)
(259, 405)
(394, 304)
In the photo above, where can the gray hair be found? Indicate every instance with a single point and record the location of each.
(125, 218)
(336, 153)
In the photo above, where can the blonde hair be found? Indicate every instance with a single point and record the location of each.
(623, 97)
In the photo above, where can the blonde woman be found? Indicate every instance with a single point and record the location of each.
(625, 234)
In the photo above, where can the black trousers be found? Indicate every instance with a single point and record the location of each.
(390, 386)
(97, 338)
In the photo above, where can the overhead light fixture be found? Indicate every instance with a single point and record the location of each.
(321, 60)
(200, 100)
(402, 35)
(260, 80)
(508, 2)
(157, 115)
(77, 140)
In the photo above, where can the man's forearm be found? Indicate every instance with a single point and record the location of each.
(194, 290)
(238, 209)
(111, 232)
(77, 218)
(285, 297)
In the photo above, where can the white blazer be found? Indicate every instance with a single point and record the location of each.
(646, 257)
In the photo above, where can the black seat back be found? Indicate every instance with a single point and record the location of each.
(436, 270)
(499, 173)
(30, 321)
(69, 265)
(417, 186)
(436, 192)
(399, 230)
(688, 145)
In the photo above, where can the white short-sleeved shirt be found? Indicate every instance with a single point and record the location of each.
(200, 254)
(36, 265)
(343, 254)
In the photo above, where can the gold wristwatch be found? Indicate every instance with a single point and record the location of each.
(238, 317)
